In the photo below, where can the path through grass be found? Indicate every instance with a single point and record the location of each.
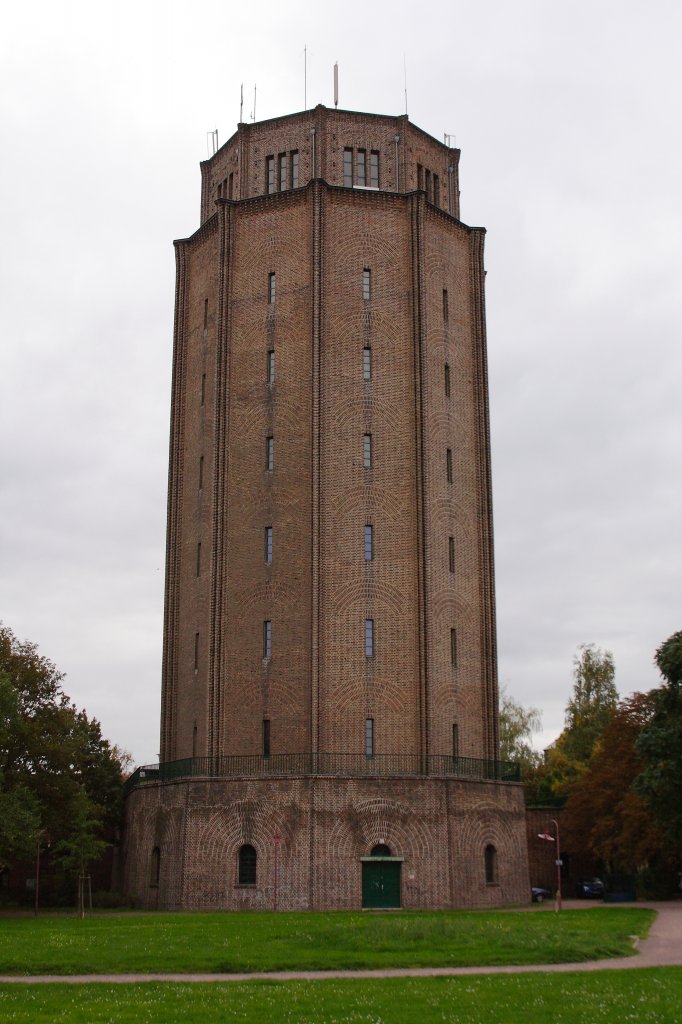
(238, 942)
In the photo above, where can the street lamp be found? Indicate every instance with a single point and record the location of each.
(555, 839)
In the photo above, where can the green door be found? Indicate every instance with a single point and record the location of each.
(380, 883)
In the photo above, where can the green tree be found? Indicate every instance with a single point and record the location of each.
(660, 745)
(517, 726)
(594, 698)
(50, 754)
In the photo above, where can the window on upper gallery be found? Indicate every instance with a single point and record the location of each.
(199, 559)
(269, 453)
(374, 169)
(361, 167)
(367, 451)
(455, 741)
(448, 465)
(447, 380)
(348, 168)
(436, 190)
(246, 865)
(366, 363)
(267, 638)
(427, 183)
(271, 366)
(294, 168)
(369, 738)
(230, 186)
(420, 176)
(369, 638)
(451, 554)
(270, 181)
(220, 190)
(367, 284)
(196, 651)
(369, 543)
(268, 545)
(453, 647)
(283, 172)
(266, 737)
(201, 472)
(446, 307)
(272, 288)
(490, 859)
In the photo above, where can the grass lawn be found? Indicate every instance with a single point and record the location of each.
(648, 996)
(299, 941)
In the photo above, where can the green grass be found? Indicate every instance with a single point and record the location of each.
(308, 941)
(650, 996)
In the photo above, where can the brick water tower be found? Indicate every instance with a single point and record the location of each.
(329, 727)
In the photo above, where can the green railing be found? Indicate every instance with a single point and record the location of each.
(383, 766)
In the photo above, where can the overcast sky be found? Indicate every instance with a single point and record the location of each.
(568, 118)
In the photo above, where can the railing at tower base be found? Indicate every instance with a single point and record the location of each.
(381, 766)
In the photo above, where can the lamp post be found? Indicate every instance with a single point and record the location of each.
(555, 839)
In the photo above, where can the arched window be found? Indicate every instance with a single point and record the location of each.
(490, 864)
(247, 865)
(155, 867)
(381, 850)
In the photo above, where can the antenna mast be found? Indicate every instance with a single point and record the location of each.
(305, 77)
(336, 84)
(241, 104)
(405, 78)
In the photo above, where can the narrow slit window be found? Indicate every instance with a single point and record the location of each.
(436, 190)
(420, 177)
(348, 168)
(271, 366)
(369, 737)
(451, 554)
(203, 389)
(271, 288)
(268, 545)
(294, 169)
(246, 869)
(447, 380)
(427, 182)
(201, 472)
(283, 172)
(369, 543)
(230, 186)
(267, 638)
(446, 307)
(374, 169)
(453, 647)
(269, 454)
(366, 364)
(361, 167)
(196, 651)
(455, 741)
(490, 864)
(205, 316)
(367, 284)
(448, 464)
(155, 873)
(367, 451)
(199, 559)
(270, 183)
(266, 737)
(369, 638)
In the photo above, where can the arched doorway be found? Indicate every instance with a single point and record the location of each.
(381, 879)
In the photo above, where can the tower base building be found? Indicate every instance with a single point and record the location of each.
(329, 732)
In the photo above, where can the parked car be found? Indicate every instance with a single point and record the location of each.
(593, 889)
(539, 895)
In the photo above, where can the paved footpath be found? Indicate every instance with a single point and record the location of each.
(662, 948)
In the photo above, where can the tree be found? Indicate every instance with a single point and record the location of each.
(605, 816)
(50, 755)
(83, 845)
(517, 725)
(660, 745)
(594, 698)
